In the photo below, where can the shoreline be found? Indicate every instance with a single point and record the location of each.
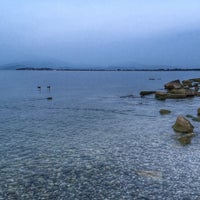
(119, 69)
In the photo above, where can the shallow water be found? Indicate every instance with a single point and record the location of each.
(88, 143)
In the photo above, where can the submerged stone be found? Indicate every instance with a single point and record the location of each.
(197, 119)
(183, 125)
(128, 96)
(164, 111)
(150, 174)
(185, 139)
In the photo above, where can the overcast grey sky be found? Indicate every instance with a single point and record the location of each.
(103, 32)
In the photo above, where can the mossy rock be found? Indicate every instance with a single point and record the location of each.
(164, 111)
(183, 125)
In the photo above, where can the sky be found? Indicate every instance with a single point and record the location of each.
(101, 32)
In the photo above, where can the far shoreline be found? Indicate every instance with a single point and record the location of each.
(99, 70)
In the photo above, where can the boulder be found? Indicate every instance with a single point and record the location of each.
(176, 84)
(187, 83)
(183, 125)
(164, 111)
(198, 111)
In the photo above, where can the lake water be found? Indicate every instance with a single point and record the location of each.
(90, 144)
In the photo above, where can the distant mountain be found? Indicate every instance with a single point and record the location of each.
(61, 65)
(37, 64)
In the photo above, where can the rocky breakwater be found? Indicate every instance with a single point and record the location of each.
(178, 90)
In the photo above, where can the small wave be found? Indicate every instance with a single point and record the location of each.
(96, 110)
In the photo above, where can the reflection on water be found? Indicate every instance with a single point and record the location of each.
(88, 143)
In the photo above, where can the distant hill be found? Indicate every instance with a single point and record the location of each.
(36, 64)
(60, 65)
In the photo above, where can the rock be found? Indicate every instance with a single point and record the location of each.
(190, 93)
(183, 125)
(161, 95)
(195, 85)
(195, 80)
(196, 88)
(197, 119)
(176, 96)
(144, 93)
(164, 111)
(127, 96)
(176, 84)
(49, 98)
(189, 116)
(183, 91)
(167, 95)
(185, 139)
(187, 83)
(197, 94)
(150, 174)
(198, 111)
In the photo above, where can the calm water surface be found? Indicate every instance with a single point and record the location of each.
(88, 143)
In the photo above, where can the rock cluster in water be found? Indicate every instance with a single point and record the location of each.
(178, 90)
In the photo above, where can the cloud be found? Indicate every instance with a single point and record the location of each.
(71, 29)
